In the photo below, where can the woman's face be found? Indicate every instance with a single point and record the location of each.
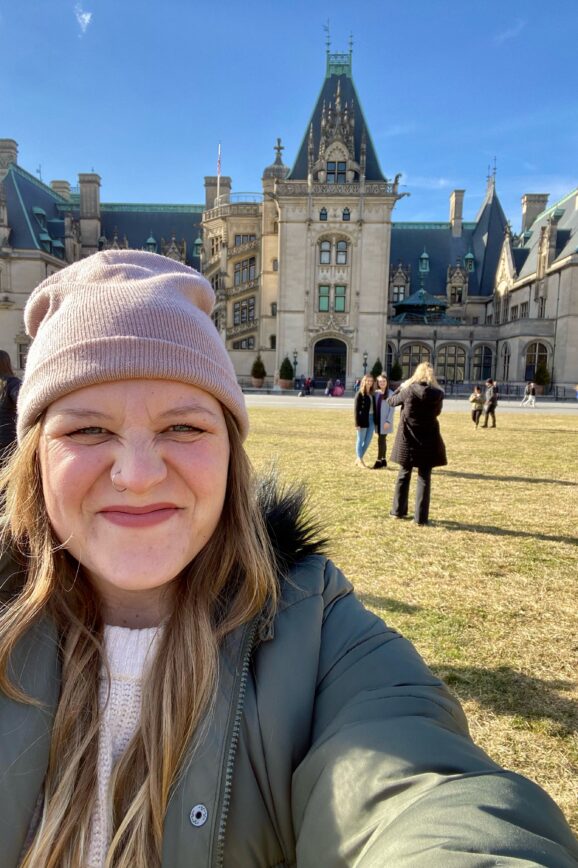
(166, 443)
(382, 383)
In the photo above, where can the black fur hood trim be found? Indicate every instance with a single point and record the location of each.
(294, 532)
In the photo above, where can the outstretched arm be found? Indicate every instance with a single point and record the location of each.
(392, 776)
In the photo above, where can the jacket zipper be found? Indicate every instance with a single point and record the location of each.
(235, 732)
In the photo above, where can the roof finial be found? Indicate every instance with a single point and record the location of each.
(278, 149)
(327, 37)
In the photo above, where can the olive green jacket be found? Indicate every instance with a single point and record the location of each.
(331, 744)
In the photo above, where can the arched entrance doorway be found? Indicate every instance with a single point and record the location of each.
(329, 361)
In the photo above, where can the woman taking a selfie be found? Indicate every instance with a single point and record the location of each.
(185, 680)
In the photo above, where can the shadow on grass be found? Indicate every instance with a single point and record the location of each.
(501, 531)
(506, 691)
(493, 478)
(374, 601)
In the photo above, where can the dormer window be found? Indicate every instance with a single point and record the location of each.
(346, 215)
(424, 262)
(336, 172)
(469, 262)
(323, 215)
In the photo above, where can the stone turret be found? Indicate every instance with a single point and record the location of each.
(8, 155)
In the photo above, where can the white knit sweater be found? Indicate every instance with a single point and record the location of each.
(129, 654)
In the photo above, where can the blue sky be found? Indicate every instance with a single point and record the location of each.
(143, 92)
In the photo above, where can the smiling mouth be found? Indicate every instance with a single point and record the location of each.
(139, 516)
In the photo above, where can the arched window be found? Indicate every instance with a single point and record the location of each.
(506, 353)
(451, 363)
(482, 364)
(411, 356)
(323, 214)
(536, 354)
(342, 252)
(346, 215)
(325, 253)
(389, 358)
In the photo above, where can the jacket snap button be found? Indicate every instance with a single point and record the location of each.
(198, 815)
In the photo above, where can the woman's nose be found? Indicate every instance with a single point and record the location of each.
(141, 467)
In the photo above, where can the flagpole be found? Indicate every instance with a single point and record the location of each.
(218, 172)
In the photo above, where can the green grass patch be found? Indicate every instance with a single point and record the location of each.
(488, 591)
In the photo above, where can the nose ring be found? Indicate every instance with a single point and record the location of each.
(116, 488)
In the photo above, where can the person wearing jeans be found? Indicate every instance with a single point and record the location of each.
(418, 442)
(364, 412)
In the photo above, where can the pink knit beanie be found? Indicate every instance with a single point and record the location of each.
(123, 315)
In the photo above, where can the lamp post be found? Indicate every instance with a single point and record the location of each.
(295, 364)
(365, 363)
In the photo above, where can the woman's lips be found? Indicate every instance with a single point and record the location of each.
(139, 516)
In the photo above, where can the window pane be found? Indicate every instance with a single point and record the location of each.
(324, 299)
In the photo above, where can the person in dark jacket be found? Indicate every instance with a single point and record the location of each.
(418, 442)
(490, 403)
(185, 678)
(9, 388)
(364, 417)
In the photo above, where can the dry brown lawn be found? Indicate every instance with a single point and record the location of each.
(488, 592)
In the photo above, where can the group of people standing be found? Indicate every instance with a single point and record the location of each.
(418, 443)
(484, 403)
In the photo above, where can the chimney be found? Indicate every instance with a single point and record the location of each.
(456, 212)
(8, 154)
(89, 212)
(532, 205)
(62, 188)
(211, 190)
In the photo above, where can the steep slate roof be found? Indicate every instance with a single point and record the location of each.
(23, 193)
(566, 238)
(338, 72)
(483, 238)
(488, 238)
(409, 240)
(138, 222)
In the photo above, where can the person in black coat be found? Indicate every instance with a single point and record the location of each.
(418, 442)
(364, 415)
(9, 388)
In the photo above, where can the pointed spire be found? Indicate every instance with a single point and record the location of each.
(338, 98)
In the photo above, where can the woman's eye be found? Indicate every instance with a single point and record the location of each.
(91, 431)
(184, 429)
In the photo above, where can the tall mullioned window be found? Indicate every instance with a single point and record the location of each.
(325, 253)
(451, 363)
(245, 271)
(336, 172)
(524, 310)
(536, 354)
(341, 256)
(244, 311)
(323, 303)
(340, 299)
(411, 356)
(482, 364)
(398, 294)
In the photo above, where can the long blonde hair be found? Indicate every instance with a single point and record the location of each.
(424, 373)
(227, 584)
(367, 385)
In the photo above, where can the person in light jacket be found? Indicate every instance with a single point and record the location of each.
(383, 419)
(418, 442)
(185, 678)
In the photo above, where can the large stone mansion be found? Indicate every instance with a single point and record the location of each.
(315, 267)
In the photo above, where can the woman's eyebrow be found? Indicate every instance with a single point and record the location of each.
(81, 412)
(186, 409)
